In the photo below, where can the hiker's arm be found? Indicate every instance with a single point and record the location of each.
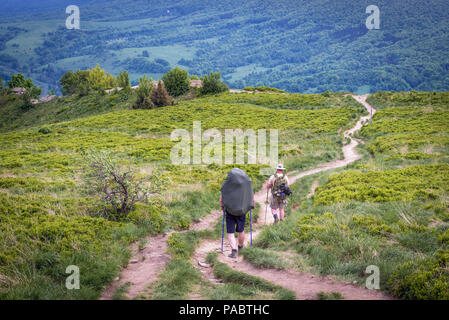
(269, 184)
(254, 204)
(221, 202)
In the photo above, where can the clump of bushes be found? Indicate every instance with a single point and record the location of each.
(422, 182)
(176, 82)
(45, 130)
(424, 279)
(82, 82)
(371, 224)
(143, 93)
(31, 90)
(150, 218)
(212, 84)
(149, 97)
(160, 96)
(264, 89)
(123, 81)
(311, 226)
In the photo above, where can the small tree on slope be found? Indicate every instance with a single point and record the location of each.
(160, 96)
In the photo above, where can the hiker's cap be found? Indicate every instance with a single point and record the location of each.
(280, 167)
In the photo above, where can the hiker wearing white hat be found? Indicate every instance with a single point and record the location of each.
(277, 184)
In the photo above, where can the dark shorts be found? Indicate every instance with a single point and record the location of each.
(234, 223)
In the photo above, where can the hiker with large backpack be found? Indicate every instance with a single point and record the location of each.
(279, 185)
(237, 198)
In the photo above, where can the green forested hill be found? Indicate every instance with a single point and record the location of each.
(299, 46)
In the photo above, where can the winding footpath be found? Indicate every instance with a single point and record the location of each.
(147, 263)
(304, 285)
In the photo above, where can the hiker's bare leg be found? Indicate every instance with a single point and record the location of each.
(241, 238)
(232, 241)
(281, 213)
(273, 211)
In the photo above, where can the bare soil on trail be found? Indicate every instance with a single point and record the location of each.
(146, 264)
(143, 269)
(305, 286)
(315, 185)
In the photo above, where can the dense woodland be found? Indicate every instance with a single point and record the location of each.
(298, 46)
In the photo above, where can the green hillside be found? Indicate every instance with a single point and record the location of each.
(48, 217)
(390, 209)
(299, 46)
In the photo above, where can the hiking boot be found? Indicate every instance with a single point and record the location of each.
(233, 254)
(276, 219)
(239, 248)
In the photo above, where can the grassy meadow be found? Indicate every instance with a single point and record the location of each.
(51, 219)
(388, 210)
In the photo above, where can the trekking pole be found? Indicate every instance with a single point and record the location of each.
(251, 227)
(266, 207)
(222, 232)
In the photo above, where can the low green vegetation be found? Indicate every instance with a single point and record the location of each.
(388, 210)
(330, 296)
(421, 182)
(382, 99)
(51, 218)
(264, 258)
(413, 133)
(262, 89)
(60, 109)
(175, 281)
(295, 101)
(120, 292)
(253, 284)
(179, 276)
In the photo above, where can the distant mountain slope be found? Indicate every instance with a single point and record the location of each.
(299, 46)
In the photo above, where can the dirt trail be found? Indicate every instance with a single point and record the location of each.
(305, 286)
(145, 265)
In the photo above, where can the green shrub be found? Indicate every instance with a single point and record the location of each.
(123, 80)
(176, 82)
(143, 93)
(45, 130)
(371, 224)
(422, 279)
(75, 83)
(149, 217)
(212, 84)
(421, 182)
(263, 89)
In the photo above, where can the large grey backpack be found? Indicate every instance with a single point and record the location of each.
(237, 193)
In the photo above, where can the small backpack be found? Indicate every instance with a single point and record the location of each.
(280, 190)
